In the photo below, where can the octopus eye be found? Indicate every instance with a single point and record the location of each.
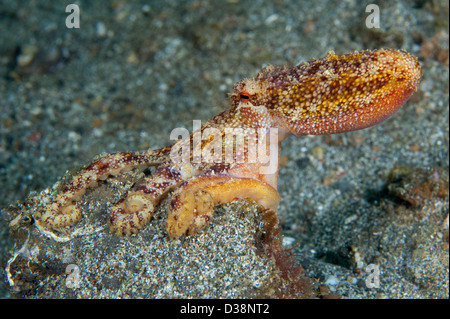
(244, 96)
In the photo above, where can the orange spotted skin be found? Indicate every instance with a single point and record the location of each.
(331, 95)
(338, 93)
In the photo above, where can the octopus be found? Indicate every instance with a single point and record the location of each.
(235, 154)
